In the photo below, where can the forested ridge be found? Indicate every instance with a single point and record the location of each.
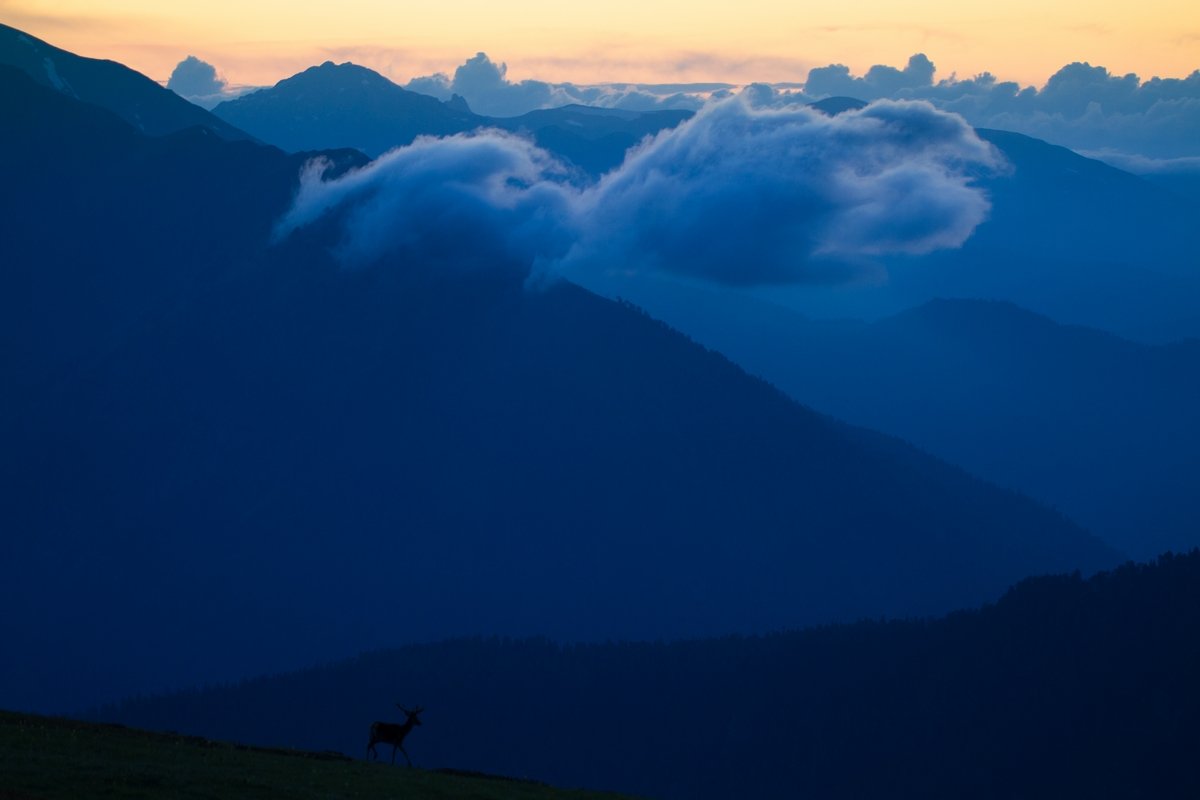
(1065, 687)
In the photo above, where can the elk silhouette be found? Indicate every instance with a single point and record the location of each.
(387, 733)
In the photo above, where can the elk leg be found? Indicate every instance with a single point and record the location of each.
(406, 758)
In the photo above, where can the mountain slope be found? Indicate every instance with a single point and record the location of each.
(1063, 688)
(133, 97)
(223, 456)
(1100, 427)
(111, 228)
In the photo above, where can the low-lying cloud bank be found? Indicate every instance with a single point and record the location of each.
(1081, 106)
(485, 86)
(739, 194)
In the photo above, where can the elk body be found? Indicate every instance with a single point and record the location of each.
(387, 733)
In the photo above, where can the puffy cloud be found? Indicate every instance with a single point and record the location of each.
(199, 82)
(462, 202)
(195, 78)
(764, 95)
(743, 194)
(435, 85)
(485, 86)
(1081, 106)
(880, 80)
(739, 194)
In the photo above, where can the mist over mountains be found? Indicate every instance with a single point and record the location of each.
(799, 191)
(1040, 226)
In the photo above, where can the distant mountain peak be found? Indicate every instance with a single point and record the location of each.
(345, 74)
(833, 106)
(458, 103)
(343, 105)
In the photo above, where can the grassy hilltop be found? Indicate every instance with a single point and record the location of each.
(45, 758)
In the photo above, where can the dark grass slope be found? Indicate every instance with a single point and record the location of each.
(1065, 687)
(45, 758)
(222, 456)
(139, 101)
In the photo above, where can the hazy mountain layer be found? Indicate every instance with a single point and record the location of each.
(1100, 427)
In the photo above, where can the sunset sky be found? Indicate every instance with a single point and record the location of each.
(624, 40)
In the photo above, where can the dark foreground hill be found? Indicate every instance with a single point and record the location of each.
(44, 758)
(1064, 688)
(220, 456)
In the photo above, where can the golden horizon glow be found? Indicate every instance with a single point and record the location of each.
(257, 42)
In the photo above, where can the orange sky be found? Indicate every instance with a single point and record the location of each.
(261, 41)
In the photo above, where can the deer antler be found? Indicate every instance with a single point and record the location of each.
(402, 708)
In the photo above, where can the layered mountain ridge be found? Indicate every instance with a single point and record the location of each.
(345, 105)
